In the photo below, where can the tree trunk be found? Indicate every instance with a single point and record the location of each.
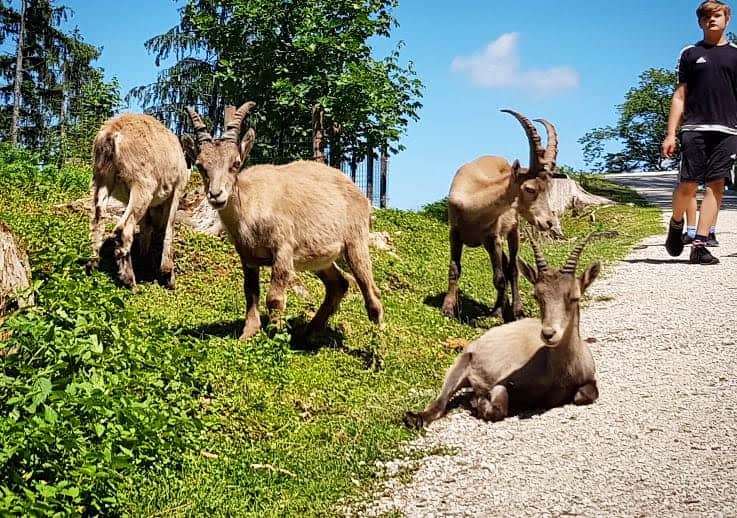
(318, 133)
(18, 76)
(565, 194)
(15, 273)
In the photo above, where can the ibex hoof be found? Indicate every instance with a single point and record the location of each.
(248, 333)
(413, 420)
(127, 280)
(92, 264)
(449, 309)
(166, 279)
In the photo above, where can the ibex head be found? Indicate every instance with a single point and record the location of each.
(219, 160)
(534, 182)
(558, 291)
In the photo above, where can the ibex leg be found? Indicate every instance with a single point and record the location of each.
(138, 203)
(336, 286)
(281, 274)
(450, 302)
(100, 197)
(166, 268)
(495, 407)
(251, 289)
(512, 272)
(493, 246)
(358, 258)
(586, 394)
(455, 379)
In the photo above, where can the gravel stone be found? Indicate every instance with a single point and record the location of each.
(662, 438)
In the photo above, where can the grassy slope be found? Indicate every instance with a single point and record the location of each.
(292, 431)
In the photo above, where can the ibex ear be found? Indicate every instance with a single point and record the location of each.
(246, 145)
(528, 271)
(190, 149)
(515, 169)
(588, 276)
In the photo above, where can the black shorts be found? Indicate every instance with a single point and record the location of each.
(706, 155)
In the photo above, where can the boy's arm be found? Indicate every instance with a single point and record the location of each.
(677, 105)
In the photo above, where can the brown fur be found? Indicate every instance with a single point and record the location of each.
(486, 198)
(294, 217)
(138, 161)
(529, 363)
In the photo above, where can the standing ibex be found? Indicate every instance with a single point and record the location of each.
(531, 362)
(489, 188)
(138, 161)
(299, 216)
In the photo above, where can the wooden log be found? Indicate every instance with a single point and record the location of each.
(15, 273)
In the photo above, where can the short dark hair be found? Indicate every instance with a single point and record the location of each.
(710, 6)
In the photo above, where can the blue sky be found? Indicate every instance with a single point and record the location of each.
(570, 62)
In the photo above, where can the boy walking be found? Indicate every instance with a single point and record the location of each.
(705, 101)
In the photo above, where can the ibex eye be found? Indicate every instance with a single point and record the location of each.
(529, 190)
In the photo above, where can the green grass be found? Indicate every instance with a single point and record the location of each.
(283, 429)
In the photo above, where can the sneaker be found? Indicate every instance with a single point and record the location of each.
(712, 240)
(687, 240)
(674, 242)
(700, 255)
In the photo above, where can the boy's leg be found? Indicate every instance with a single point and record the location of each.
(683, 195)
(712, 241)
(721, 149)
(691, 215)
(692, 170)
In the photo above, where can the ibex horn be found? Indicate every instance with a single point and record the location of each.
(572, 262)
(199, 126)
(233, 128)
(551, 152)
(537, 152)
(542, 265)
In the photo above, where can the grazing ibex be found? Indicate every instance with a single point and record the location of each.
(530, 363)
(299, 216)
(485, 200)
(138, 161)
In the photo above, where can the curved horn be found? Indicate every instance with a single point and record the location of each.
(551, 152)
(233, 129)
(542, 265)
(199, 126)
(572, 262)
(537, 152)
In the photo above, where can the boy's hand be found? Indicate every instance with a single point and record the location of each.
(669, 146)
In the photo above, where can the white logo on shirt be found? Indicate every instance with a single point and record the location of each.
(702, 59)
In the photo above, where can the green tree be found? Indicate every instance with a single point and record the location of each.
(634, 142)
(287, 56)
(42, 79)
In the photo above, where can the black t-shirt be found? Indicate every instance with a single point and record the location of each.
(710, 74)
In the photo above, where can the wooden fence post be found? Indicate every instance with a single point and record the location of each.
(382, 184)
(370, 174)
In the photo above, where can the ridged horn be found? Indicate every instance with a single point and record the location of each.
(572, 262)
(542, 264)
(551, 151)
(537, 152)
(233, 127)
(199, 126)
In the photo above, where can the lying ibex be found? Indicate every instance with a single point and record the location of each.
(530, 363)
(299, 216)
(488, 188)
(138, 161)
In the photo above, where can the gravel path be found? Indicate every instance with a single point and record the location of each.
(662, 438)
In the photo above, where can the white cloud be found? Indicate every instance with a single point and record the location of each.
(497, 66)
